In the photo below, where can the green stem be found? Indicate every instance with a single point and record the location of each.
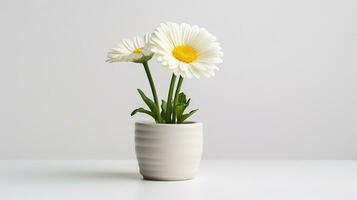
(153, 89)
(169, 99)
(178, 88)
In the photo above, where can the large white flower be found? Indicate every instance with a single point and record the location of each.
(186, 50)
(135, 50)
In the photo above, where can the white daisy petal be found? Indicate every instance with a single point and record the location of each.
(128, 44)
(186, 50)
(194, 72)
(135, 50)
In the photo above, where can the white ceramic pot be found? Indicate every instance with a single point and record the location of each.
(168, 151)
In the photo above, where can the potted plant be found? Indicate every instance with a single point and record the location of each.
(170, 148)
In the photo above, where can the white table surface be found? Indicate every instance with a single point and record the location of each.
(221, 180)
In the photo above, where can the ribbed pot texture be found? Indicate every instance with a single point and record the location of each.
(168, 151)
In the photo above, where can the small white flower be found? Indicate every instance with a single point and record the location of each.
(186, 50)
(135, 50)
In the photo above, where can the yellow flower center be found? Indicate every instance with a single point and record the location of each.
(138, 50)
(185, 53)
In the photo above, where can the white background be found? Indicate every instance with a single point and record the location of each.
(286, 90)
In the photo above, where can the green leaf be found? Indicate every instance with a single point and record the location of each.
(142, 110)
(187, 115)
(150, 103)
(163, 110)
(182, 104)
(163, 106)
(181, 98)
(179, 109)
(187, 103)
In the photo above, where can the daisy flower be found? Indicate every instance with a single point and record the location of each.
(186, 50)
(135, 50)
